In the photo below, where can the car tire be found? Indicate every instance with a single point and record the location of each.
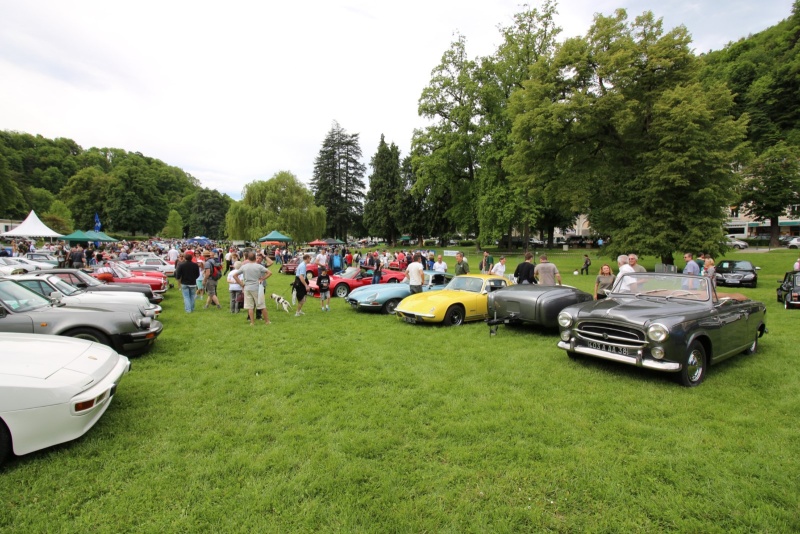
(753, 348)
(454, 316)
(573, 355)
(390, 305)
(694, 371)
(90, 334)
(787, 302)
(5, 442)
(392, 281)
(341, 291)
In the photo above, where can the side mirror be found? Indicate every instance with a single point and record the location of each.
(56, 296)
(758, 268)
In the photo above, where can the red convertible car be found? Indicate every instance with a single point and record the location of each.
(121, 275)
(352, 278)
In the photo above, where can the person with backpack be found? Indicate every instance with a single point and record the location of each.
(212, 272)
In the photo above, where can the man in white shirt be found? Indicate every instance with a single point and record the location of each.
(440, 266)
(499, 268)
(172, 254)
(415, 275)
(628, 284)
(322, 258)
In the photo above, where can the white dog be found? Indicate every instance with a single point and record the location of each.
(280, 301)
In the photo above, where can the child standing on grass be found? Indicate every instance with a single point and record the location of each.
(324, 284)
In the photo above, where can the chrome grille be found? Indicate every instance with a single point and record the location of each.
(611, 333)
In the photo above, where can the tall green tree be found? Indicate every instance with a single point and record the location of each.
(134, 201)
(617, 124)
(771, 187)
(281, 203)
(383, 208)
(85, 194)
(59, 218)
(207, 213)
(174, 227)
(444, 154)
(338, 180)
(12, 203)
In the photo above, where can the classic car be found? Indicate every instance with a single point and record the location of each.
(15, 263)
(736, 243)
(52, 286)
(37, 264)
(6, 270)
(737, 273)
(666, 322)
(26, 312)
(532, 304)
(121, 275)
(465, 298)
(290, 267)
(352, 278)
(386, 297)
(53, 389)
(83, 280)
(42, 257)
(152, 264)
(789, 290)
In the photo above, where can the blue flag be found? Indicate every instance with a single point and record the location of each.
(97, 224)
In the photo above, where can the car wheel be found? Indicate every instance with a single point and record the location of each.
(573, 355)
(787, 302)
(5, 442)
(392, 281)
(753, 348)
(341, 291)
(89, 334)
(454, 316)
(694, 370)
(390, 306)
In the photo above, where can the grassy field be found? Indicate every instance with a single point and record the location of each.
(352, 422)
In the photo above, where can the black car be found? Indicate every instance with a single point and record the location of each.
(789, 290)
(532, 304)
(672, 323)
(83, 280)
(739, 273)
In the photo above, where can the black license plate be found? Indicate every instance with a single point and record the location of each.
(605, 347)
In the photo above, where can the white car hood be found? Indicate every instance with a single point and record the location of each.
(41, 356)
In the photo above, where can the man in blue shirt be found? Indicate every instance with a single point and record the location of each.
(301, 284)
(691, 265)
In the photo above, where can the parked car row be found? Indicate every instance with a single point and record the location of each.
(66, 336)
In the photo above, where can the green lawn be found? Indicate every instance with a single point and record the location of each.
(352, 422)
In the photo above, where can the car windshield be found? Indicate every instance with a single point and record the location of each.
(644, 285)
(18, 298)
(797, 280)
(350, 272)
(61, 285)
(9, 261)
(121, 272)
(466, 283)
(732, 265)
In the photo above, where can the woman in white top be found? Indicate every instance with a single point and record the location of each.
(234, 288)
(500, 267)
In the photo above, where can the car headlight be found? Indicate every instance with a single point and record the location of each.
(657, 332)
(564, 319)
(747, 277)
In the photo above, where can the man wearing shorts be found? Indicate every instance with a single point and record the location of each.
(250, 276)
(301, 285)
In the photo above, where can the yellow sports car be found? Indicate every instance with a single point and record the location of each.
(463, 299)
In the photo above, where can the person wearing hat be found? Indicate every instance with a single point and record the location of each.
(209, 283)
(187, 273)
(324, 285)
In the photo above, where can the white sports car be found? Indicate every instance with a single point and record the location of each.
(53, 389)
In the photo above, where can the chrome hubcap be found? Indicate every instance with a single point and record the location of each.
(694, 366)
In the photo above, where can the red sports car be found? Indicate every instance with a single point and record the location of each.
(121, 275)
(353, 277)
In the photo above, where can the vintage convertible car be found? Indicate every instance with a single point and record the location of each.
(26, 312)
(737, 273)
(352, 278)
(122, 275)
(386, 297)
(532, 304)
(53, 389)
(82, 280)
(52, 286)
(154, 263)
(666, 322)
(789, 290)
(463, 299)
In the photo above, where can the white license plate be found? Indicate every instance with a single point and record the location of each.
(411, 320)
(613, 349)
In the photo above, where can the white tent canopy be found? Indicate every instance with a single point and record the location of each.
(31, 227)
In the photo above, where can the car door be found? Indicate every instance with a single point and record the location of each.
(15, 322)
(733, 332)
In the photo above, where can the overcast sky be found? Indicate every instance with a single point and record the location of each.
(233, 92)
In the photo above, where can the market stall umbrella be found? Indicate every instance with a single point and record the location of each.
(333, 242)
(78, 235)
(31, 227)
(318, 243)
(276, 236)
